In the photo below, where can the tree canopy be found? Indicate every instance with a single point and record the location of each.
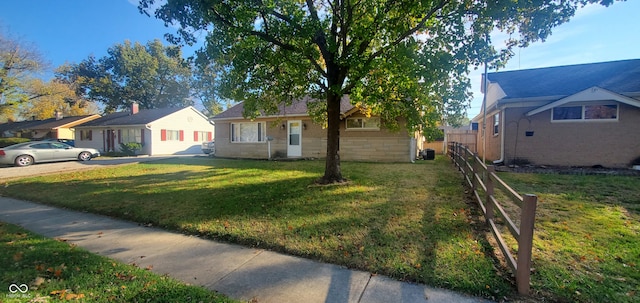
(405, 59)
(48, 97)
(18, 63)
(153, 75)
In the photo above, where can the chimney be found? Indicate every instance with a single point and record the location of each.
(134, 108)
(58, 115)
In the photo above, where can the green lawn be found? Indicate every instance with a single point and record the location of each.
(409, 221)
(587, 236)
(45, 270)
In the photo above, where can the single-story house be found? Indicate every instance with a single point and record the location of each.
(291, 133)
(575, 115)
(58, 127)
(160, 131)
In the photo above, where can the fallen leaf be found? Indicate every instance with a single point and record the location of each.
(18, 256)
(150, 267)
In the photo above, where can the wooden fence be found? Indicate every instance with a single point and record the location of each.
(483, 181)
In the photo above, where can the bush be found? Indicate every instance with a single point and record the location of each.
(130, 148)
(636, 161)
(4, 142)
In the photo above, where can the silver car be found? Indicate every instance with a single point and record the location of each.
(24, 154)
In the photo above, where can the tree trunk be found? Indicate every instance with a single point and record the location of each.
(332, 173)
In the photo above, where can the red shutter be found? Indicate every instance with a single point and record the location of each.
(142, 136)
(163, 135)
(209, 136)
(195, 136)
(181, 135)
(119, 136)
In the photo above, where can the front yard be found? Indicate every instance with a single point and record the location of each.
(408, 221)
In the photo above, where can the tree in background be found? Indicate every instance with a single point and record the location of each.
(48, 97)
(395, 58)
(203, 89)
(18, 63)
(154, 76)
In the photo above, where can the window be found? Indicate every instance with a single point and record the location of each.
(585, 112)
(130, 135)
(200, 136)
(363, 123)
(171, 135)
(247, 132)
(496, 124)
(85, 135)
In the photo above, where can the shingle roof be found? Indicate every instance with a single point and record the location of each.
(144, 116)
(617, 76)
(50, 123)
(297, 108)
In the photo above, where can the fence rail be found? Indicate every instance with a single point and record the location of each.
(483, 181)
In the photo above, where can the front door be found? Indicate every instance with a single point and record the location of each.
(294, 132)
(110, 146)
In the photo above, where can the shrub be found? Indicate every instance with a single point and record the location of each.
(130, 148)
(636, 161)
(4, 142)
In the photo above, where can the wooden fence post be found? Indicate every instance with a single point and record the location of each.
(489, 184)
(476, 168)
(525, 243)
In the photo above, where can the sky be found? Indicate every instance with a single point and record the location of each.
(72, 30)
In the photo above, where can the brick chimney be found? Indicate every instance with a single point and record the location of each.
(58, 115)
(134, 108)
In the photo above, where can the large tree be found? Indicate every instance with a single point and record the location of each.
(19, 62)
(45, 98)
(153, 75)
(395, 58)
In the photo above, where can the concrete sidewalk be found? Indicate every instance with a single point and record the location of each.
(239, 272)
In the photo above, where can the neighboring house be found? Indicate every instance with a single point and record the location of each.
(54, 128)
(160, 131)
(292, 134)
(576, 115)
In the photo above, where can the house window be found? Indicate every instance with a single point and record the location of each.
(247, 132)
(85, 135)
(131, 135)
(200, 136)
(171, 135)
(363, 123)
(496, 124)
(585, 112)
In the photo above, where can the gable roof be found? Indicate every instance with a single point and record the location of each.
(622, 77)
(296, 109)
(144, 116)
(50, 123)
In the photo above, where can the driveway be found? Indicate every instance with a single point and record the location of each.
(9, 172)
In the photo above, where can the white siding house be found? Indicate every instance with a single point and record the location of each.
(164, 131)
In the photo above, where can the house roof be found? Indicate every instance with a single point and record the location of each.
(50, 123)
(621, 77)
(297, 108)
(144, 116)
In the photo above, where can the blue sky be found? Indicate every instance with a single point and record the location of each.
(71, 30)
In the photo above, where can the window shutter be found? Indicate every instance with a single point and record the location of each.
(90, 135)
(119, 136)
(209, 136)
(195, 136)
(181, 135)
(142, 136)
(163, 135)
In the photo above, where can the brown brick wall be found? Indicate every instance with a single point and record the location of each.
(583, 143)
(355, 145)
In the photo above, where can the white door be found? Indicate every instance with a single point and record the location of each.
(294, 132)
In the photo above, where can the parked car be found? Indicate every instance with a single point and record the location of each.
(25, 154)
(209, 147)
(65, 141)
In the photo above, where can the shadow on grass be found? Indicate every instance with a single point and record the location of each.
(384, 221)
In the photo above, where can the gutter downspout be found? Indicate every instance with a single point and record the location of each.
(501, 134)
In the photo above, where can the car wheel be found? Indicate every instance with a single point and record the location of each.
(84, 156)
(23, 160)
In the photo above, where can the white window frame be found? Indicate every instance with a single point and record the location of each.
(244, 132)
(496, 124)
(366, 123)
(203, 136)
(173, 135)
(583, 112)
(131, 135)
